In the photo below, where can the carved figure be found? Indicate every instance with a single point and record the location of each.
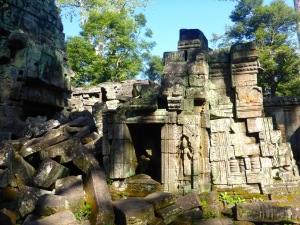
(187, 155)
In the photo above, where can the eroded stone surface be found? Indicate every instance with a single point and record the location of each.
(48, 172)
(133, 211)
(160, 200)
(64, 217)
(267, 212)
(33, 64)
(99, 198)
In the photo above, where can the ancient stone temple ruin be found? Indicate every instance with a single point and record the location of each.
(34, 74)
(203, 129)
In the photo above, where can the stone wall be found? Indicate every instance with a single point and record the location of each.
(285, 112)
(203, 129)
(34, 75)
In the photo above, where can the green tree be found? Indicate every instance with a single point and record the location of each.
(118, 36)
(297, 9)
(154, 68)
(82, 59)
(272, 27)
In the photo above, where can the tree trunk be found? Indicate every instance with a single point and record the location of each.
(297, 9)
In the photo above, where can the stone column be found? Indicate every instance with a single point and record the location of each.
(170, 168)
(244, 69)
(123, 161)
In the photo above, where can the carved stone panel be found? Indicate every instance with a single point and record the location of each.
(248, 102)
(219, 172)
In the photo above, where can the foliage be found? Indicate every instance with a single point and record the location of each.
(228, 199)
(154, 69)
(83, 8)
(112, 43)
(109, 181)
(82, 59)
(20, 221)
(203, 203)
(210, 215)
(273, 27)
(83, 213)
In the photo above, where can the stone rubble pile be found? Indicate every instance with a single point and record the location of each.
(48, 178)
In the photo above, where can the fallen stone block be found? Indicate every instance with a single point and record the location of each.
(85, 162)
(133, 211)
(189, 201)
(38, 144)
(65, 150)
(27, 199)
(228, 210)
(48, 204)
(141, 185)
(268, 211)
(39, 125)
(160, 200)
(98, 198)
(213, 204)
(170, 213)
(48, 172)
(80, 126)
(189, 217)
(22, 171)
(65, 217)
(71, 187)
(94, 147)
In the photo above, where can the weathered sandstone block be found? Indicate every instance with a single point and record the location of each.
(133, 211)
(99, 198)
(48, 172)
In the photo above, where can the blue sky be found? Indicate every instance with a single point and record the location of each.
(166, 17)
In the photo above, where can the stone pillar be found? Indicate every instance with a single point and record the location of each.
(174, 82)
(171, 162)
(244, 69)
(123, 161)
(221, 95)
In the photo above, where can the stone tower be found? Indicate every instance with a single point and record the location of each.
(34, 75)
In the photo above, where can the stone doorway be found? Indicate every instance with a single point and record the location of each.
(146, 139)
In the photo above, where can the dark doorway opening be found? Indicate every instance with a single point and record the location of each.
(146, 139)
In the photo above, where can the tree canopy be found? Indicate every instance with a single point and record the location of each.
(113, 43)
(273, 27)
(154, 68)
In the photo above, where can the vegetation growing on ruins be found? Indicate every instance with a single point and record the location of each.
(82, 214)
(273, 28)
(114, 43)
(228, 199)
